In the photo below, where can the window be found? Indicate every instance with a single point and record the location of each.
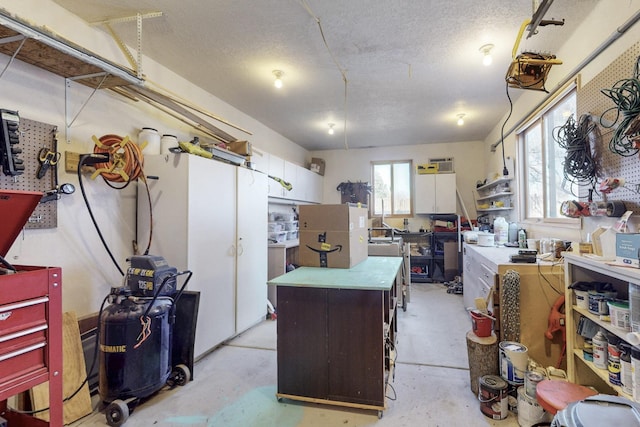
(391, 188)
(543, 185)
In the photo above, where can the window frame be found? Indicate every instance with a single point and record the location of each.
(372, 212)
(537, 118)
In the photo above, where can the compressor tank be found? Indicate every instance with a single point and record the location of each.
(135, 356)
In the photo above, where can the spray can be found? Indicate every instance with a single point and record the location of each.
(626, 373)
(635, 372)
(613, 361)
(600, 350)
(522, 238)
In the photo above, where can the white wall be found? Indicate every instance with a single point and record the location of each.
(607, 17)
(88, 273)
(355, 165)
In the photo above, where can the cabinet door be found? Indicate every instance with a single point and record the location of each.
(315, 187)
(445, 191)
(291, 176)
(251, 249)
(425, 186)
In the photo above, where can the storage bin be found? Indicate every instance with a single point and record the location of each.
(292, 235)
(275, 227)
(277, 236)
(290, 225)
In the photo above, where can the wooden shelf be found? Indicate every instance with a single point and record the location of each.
(603, 374)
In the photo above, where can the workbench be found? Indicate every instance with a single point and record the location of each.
(337, 332)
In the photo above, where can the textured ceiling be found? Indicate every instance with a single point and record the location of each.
(410, 66)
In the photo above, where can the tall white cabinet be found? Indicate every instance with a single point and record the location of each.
(211, 218)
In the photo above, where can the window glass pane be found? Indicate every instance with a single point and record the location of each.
(558, 189)
(533, 172)
(401, 189)
(381, 189)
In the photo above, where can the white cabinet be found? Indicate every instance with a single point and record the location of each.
(435, 193)
(306, 185)
(211, 218)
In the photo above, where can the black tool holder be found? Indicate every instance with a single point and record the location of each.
(9, 140)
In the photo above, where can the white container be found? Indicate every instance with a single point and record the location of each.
(619, 314)
(486, 239)
(152, 138)
(501, 230)
(166, 142)
(582, 299)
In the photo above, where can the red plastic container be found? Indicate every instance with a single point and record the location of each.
(482, 325)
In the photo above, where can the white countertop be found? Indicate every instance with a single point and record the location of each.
(498, 255)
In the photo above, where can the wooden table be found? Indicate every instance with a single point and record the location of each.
(336, 333)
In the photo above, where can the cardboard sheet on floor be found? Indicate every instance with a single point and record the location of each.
(74, 373)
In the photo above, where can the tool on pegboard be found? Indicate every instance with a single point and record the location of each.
(47, 158)
(9, 140)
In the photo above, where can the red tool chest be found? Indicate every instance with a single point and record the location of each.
(30, 319)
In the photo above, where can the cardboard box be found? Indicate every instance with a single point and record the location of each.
(628, 249)
(240, 147)
(317, 166)
(334, 236)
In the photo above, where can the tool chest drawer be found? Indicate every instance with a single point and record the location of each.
(27, 283)
(22, 356)
(22, 315)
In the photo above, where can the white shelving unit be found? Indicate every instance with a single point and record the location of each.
(494, 196)
(579, 268)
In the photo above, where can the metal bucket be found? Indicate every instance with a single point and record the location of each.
(513, 361)
(492, 394)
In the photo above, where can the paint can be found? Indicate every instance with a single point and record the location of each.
(531, 380)
(529, 410)
(514, 359)
(492, 394)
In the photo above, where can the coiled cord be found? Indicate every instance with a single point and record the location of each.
(580, 167)
(125, 159)
(625, 94)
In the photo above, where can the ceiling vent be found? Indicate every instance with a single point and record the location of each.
(445, 164)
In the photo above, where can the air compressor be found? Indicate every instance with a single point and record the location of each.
(136, 335)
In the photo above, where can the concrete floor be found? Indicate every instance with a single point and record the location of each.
(235, 385)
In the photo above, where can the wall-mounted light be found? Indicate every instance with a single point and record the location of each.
(486, 51)
(330, 131)
(460, 119)
(278, 81)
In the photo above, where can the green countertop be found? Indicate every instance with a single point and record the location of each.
(376, 273)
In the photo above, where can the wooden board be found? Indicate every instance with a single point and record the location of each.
(73, 374)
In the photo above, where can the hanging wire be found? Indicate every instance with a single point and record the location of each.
(342, 71)
(625, 94)
(580, 167)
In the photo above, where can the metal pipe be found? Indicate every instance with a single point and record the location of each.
(603, 46)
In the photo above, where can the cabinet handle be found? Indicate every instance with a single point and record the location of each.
(11, 307)
(23, 333)
(21, 351)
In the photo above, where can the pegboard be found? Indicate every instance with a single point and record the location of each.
(35, 136)
(590, 100)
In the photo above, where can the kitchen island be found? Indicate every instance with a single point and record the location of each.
(337, 332)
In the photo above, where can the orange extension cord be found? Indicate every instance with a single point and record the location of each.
(126, 159)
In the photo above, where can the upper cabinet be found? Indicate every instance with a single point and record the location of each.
(435, 193)
(306, 186)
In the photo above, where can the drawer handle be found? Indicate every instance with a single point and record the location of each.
(10, 307)
(22, 351)
(23, 333)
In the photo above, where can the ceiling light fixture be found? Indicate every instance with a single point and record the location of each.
(278, 81)
(460, 119)
(331, 131)
(486, 50)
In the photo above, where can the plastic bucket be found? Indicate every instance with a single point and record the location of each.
(529, 410)
(492, 394)
(619, 314)
(482, 325)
